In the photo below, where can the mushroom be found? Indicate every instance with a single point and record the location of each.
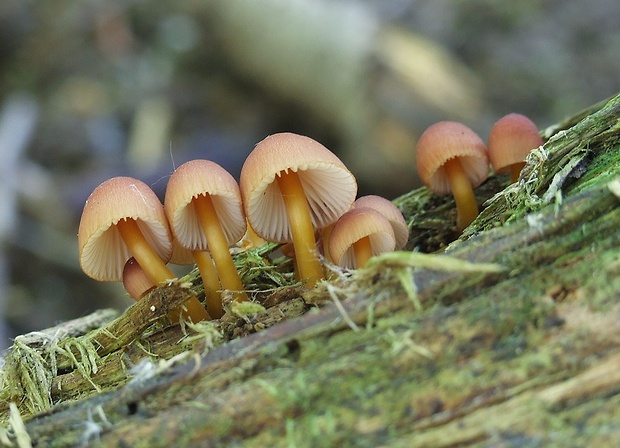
(389, 211)
(135, 281)
(137, 284)
(453, 158)
(511, 139)
(359, 234)
(292, 185)
(203, 205)
(122, 218)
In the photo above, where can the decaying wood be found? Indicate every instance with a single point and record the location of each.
(510, 337)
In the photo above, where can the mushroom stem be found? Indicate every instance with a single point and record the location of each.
(466, 205)
(155, 268)
(515, 171)
(142, 251)
(210, 281)
(298, 213)
(218, 246)
(362, 251)
(192, 310)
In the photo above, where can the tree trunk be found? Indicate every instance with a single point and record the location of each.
(510, 336)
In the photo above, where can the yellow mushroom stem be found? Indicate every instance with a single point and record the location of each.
(515, 171)
(210, 281)
(298, 213)
(466, 205)
(142, 251)
(218, 247)
(192, 310)
(362, 251)
(154, 267)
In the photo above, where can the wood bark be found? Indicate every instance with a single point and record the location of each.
(509, 336)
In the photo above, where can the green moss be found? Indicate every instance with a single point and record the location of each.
(420, 350)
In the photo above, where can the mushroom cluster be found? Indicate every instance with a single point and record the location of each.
(124, 218)
(291, 189)
(452, 158)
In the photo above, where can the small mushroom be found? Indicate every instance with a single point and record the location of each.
(511, 139)
(391, 212)
(292, 185)
(123, 218)
(135, 281)
(359, 234)
(137, 284)
(453, 158)
(203, 205)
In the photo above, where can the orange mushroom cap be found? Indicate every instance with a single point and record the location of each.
(448, 140)
(203, 205)
(355, 225)
(391, 212)
(452, 158)
(511, 139)
(102, 251)
(135, 280)
(329, 186)
(180, 255)
(200, 177)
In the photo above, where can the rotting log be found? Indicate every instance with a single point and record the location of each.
(510, 337)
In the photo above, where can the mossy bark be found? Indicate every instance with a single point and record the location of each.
(419, 352)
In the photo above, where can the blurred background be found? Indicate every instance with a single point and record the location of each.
(93, 89)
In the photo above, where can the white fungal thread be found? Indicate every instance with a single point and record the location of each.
(345, 316)
(536, 222)
(92, 428)
(174, 166)
(142, 371)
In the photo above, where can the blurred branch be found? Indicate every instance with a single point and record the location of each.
(352, 72)
(17, 121)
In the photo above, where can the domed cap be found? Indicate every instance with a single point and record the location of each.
(447, 140)
(354, 225)
(390, 212)
(181, 255)
(135, 280)
(200, 177)
(329, 186)
(511, 139)
(102, 251)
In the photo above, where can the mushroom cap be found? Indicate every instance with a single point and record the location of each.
(201, 177)
(354, 225)
(511, 139)
(135, 280)
(181, 255)
(389, 211)
(446, 140)
(102, 251)
(329, 186)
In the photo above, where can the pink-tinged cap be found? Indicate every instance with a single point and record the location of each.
(329, 186)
